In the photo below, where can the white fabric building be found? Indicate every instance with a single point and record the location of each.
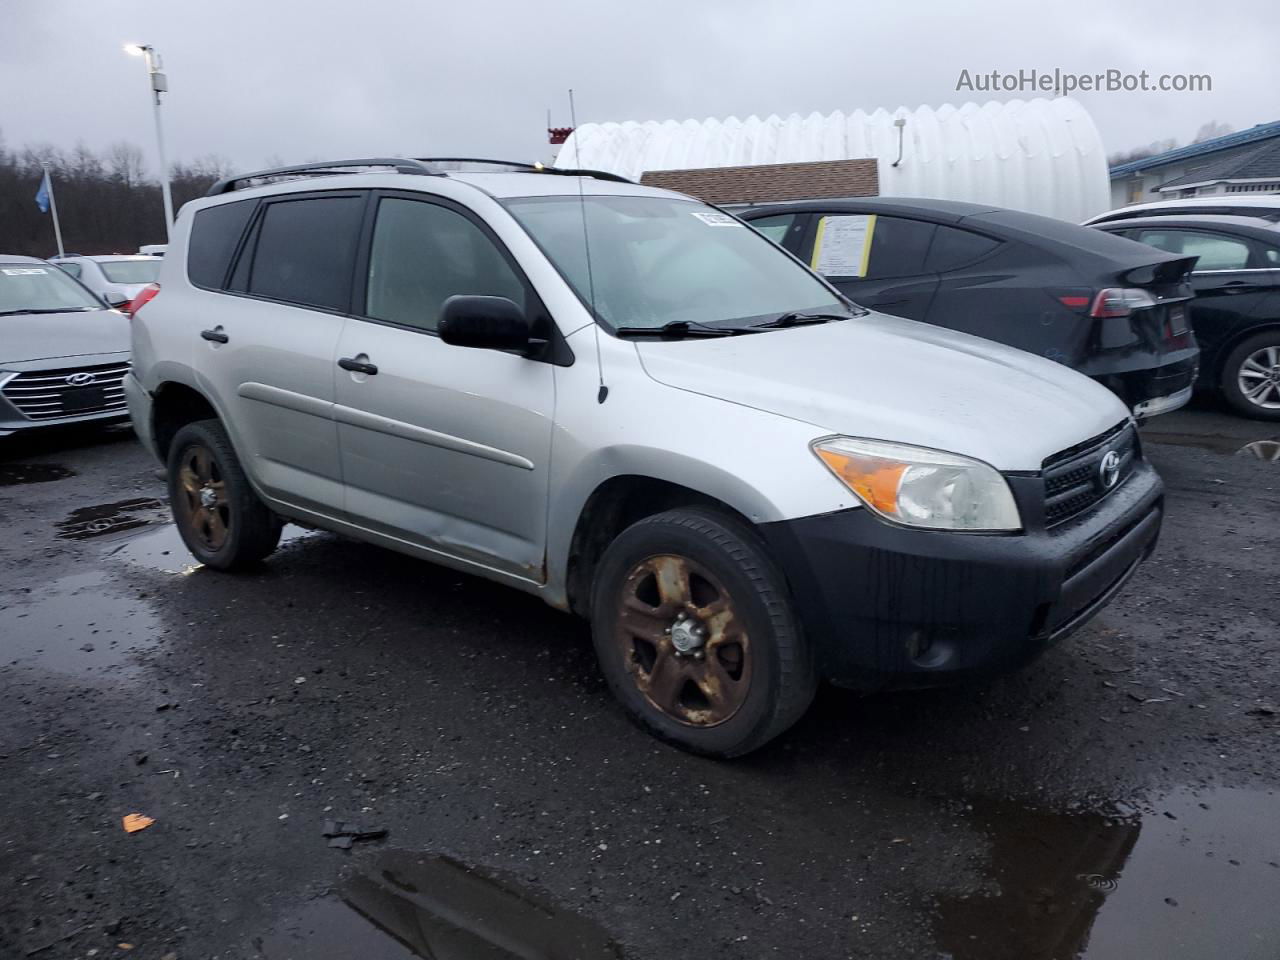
(1043, 156)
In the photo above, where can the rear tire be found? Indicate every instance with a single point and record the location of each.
(1251, 376)
(694, 628)
(220, 518)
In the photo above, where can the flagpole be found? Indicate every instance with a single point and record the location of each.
(53, 208)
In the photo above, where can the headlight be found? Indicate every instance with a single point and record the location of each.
(921, 487)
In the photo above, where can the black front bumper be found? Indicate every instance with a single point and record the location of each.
(887, 606)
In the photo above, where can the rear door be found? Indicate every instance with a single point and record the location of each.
(445, 447)
(874, 260)
(1230, 280)
(268, 339)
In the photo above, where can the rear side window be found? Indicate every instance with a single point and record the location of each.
(215, 232)
(953, 248)
(422, 255)
(71, 268)
(305, 251)
(1215, 252)
(898, 247)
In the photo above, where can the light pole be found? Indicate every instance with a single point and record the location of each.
(159, 85)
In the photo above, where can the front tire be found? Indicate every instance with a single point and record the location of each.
(694, 628)
(1251, 376)
(220, 518)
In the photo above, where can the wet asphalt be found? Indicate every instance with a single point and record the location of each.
(1119, 798)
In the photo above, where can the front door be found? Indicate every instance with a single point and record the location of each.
(444, 447)
(876, 261)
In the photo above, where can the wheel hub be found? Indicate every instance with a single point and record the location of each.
(208, 496)
(688, 636)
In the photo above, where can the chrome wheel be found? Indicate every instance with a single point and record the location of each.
(1259, 378)
(203, 506)
(684, 646)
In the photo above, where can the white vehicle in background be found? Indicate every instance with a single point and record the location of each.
(116, 279)
(1267, 207)
(153, 249)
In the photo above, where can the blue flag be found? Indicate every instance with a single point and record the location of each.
(42, 195)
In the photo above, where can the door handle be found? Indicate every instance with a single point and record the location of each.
(214, 336)
(357, 366)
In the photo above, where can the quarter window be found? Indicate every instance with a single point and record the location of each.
(305, 251)
(71, 268)
(215, 231)
(422, 255)
(953, 247)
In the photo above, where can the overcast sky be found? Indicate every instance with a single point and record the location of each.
(258, 79)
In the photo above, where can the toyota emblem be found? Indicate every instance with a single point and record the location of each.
(81, 379)
(1109, 470)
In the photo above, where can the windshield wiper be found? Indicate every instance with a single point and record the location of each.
(10, 313)
(679, 329)
(795, 319)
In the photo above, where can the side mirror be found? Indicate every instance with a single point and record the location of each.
(490, 323)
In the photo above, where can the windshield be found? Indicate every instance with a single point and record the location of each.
(131, 271)
(35, 289)
(656, 260)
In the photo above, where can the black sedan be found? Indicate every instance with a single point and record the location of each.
(1111, 308)
(1236, 312)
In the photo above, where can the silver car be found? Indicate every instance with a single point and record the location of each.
(63, 353)
(116, 279)
(634, 406)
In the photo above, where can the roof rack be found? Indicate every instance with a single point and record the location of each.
(420, 166)
(329, 168)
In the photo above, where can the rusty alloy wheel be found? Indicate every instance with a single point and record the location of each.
(206, 511)
(684, 646)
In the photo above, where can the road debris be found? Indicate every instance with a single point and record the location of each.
(133, 822)
(342, 833)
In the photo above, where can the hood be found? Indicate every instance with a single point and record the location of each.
(886, 378)
(42, 336)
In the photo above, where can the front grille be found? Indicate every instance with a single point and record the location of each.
(1073, 477)
(49, 394)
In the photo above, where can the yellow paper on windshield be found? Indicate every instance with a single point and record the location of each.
(842, 246)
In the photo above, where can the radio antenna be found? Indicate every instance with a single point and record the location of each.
(603, 392)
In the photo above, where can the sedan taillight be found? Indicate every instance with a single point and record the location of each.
(145, 296)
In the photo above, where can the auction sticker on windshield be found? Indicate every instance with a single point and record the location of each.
(716, 219)
(22, 271)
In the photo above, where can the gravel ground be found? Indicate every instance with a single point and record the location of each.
(1118, 798)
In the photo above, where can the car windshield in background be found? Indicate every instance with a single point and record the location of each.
(657, 261)
(131, 271)
(38, 289)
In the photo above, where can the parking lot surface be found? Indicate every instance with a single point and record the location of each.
(1118, 798)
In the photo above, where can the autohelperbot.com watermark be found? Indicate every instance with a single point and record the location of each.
(1063, 83)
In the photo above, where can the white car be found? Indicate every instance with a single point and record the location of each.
(115, 279)
(1267, 207)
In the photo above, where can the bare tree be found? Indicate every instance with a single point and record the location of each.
(1211, 131)
(125, 163)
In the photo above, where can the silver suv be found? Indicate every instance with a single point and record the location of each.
(634, 406)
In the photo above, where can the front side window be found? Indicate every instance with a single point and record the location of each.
(1215, 252)
(41, 289)
(658, 260)
(422, 255)
(130, 271)
(305, 251)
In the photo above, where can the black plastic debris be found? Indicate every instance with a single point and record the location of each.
(342, 833)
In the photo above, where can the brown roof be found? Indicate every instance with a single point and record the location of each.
(770, 182)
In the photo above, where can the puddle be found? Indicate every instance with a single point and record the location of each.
(1265, 449)
(15, 474)
(89, 523)
(162, 549)
(1197, 877)
(75, 625)
(405, 905)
